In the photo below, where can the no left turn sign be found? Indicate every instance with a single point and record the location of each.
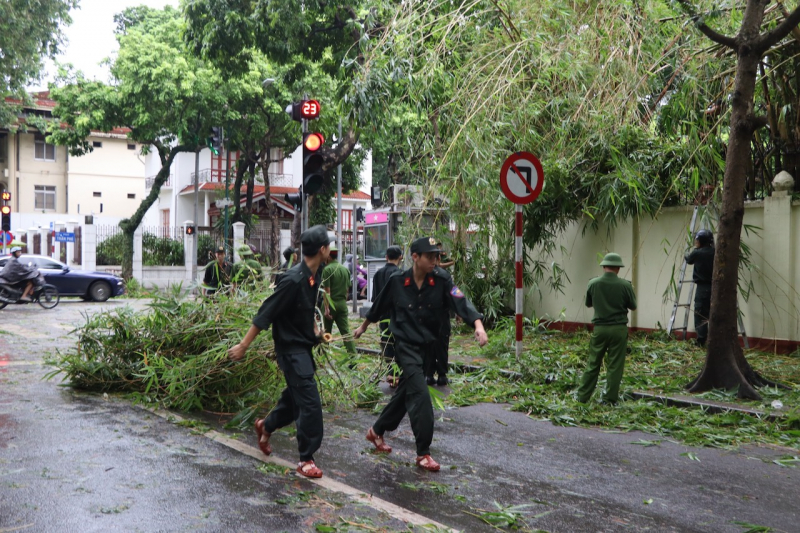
(522, 178)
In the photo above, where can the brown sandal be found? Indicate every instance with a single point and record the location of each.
(309, 469)
(263, 445)
(427, 462)
(377, 440)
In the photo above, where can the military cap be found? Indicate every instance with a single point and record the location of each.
(394, 252)
(244, 250)
(612, 260)
(424, 245)
(219, 250)
(315, 237)
(334, 248)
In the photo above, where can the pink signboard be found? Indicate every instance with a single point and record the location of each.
(376, 218)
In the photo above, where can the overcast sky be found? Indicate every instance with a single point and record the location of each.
(90, 37)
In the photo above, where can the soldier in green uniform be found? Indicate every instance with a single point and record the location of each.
(336, 282)
(702, 257)
(247, 271)
(291, 308)
(415, 300)
(394, 256)
(611, 297)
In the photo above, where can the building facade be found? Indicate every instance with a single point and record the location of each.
(44, 179)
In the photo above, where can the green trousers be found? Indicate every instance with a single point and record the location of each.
(342, 320)
(411, 397)
(610, 342)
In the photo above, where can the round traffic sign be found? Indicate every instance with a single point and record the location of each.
(522, 178)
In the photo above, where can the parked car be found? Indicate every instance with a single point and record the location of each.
(97, 286)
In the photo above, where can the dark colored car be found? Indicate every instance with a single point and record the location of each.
(97, 286)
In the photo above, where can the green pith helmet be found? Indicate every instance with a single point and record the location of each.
(333, 247)
(612, 260)
(244, 250)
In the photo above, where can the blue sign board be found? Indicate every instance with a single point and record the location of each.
(63, 236)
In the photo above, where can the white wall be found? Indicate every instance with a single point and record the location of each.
(32, 173)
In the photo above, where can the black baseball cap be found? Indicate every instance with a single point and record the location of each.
(219, 250)
(424, 245)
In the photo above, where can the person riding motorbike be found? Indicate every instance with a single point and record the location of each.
(16, 273)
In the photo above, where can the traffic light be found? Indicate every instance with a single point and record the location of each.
(296, 199)
(304, 109)
(312, 162)
(359, 214)
(190, 230)
(6, 196)
(216, 140)
(6, 210)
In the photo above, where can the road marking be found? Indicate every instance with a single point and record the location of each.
(360, 496)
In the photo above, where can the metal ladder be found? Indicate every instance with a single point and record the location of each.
(687, 305)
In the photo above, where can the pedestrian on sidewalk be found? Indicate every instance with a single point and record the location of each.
(415, 300)
(292, 311)
(336, 282)
(394, 256)
(611, 297)
(702, 257)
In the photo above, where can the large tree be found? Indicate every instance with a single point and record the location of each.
(725, 365)
(166, 97)
(29, 33)
(302, 36)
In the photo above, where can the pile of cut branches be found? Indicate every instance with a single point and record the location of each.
(175, 354)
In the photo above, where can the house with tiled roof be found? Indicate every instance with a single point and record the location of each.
(44, 179)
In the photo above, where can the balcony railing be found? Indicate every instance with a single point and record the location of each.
(148, 183)
(213, 175)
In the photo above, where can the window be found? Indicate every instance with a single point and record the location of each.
(43, 151)
(286, 225)
(97, 144)
(131, 196)
(97, 194)
(44, 197)
(131, 147)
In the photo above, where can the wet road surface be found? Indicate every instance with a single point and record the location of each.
(72, 461)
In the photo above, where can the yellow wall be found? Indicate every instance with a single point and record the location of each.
(32, 173)
(653, 249)
(114, 172)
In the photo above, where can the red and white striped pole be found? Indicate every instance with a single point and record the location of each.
(518, 277)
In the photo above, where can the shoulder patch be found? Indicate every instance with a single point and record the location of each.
(455, 292)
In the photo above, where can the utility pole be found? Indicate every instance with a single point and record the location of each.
(355, 260)
(227, 182)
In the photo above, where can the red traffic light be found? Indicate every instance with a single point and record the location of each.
(314, 141)
(6, 196)
(189, 230)
(6, 210)
(309, 109)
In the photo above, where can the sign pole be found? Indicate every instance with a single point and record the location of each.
(518, 264)
(521, 180)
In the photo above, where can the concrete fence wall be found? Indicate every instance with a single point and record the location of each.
(653, 251)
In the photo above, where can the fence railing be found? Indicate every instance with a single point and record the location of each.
(216, 175)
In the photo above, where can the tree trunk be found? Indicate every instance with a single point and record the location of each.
(725, 365)
(129, 225)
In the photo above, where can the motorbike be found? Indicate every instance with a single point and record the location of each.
(44, 294)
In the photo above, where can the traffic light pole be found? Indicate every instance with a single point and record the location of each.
(196, 223)
(339, 196)
(227, 183)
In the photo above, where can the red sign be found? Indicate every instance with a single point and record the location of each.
(522, 178)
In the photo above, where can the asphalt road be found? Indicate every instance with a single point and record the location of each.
(74, 461)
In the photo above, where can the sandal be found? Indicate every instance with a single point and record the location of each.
(377, 440)
(263, 444)
(309, 469)
(427, 462)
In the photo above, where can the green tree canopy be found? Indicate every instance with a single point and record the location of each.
(29, 33)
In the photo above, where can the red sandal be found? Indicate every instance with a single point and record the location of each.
(263, 445)
(377, 440)
(309, 469)
(427, 462)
